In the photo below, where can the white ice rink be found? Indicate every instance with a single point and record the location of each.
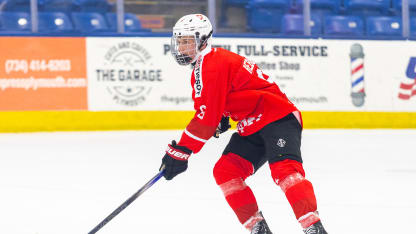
(67, 182)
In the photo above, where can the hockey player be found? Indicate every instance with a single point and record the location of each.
(227, 85)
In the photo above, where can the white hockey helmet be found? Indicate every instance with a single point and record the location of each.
(190, 34)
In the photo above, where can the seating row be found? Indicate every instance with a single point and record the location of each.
(288, 24)
(262, 12)
(85, 22)
(345, 26)
(350, 7)
(102, 6)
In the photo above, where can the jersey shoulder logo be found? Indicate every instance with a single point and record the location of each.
(198, 78)
(248, 65)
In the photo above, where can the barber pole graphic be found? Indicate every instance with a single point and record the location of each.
(357, 75)
(408, 85)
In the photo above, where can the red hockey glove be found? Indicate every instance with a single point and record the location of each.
(223, 126)
(175, 160)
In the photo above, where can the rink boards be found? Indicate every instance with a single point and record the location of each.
(102, 83)
(33, 121)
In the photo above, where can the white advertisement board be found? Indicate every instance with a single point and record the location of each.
(136, 74)
(317, 75)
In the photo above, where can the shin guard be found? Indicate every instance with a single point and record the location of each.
(230, 173)
(290, 176)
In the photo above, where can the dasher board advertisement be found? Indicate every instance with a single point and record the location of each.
(136, 74)
(336, 75)
(317, 75)
(39, 73)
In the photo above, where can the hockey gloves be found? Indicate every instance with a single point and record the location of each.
(223, 126)
(175, 160)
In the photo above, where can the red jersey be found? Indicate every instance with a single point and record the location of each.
(227, 84)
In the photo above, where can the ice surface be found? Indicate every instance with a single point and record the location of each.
(67, 182)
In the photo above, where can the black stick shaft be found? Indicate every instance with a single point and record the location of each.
(127, 202)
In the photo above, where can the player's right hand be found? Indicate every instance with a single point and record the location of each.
(175, 160)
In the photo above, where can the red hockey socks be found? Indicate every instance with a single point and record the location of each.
(230, 173)
(290, 176)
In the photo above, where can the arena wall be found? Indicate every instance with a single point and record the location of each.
(110, 83)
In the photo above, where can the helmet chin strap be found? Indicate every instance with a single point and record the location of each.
(200, 48)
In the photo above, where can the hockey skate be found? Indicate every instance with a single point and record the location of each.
(315, 228)
(261, 227)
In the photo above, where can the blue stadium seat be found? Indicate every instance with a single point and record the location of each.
(18, 5)
(101, 6)
(266, 15)
(413, 27)
(15, 21)
(397, 6)
(384, 26)
(58, 5)
(43, 5)
(343, 25)
(322, 7)
(240, 3)
(367, 7)
(398, 3)
(292, 24)
(54, 22)
(226, 4)
(89, 22)
(131, 23)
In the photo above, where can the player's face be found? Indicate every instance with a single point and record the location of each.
(186, 46)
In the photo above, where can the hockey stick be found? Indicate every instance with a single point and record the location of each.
(128, 202)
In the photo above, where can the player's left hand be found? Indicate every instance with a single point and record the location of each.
(175, 160)
(223, 126)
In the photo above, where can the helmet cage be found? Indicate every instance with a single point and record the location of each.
(190, 34)
(190, 53)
